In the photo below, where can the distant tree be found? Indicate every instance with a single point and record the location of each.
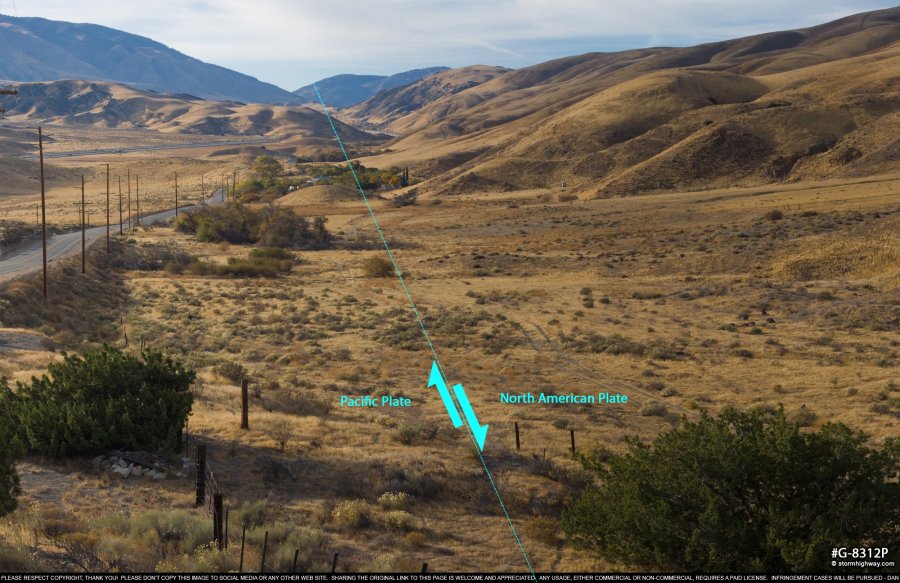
(404, 177)
(9, 451)
(104, 399)
(267, 169)
(741, 492)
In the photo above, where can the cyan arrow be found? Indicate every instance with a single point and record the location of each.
(478, 430)
(436, 380)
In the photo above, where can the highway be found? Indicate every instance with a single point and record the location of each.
(28, 258)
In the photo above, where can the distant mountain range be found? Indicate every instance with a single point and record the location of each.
(111, 105)
(347, 90)
(37, 49)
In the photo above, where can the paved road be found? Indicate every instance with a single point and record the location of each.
(29, 258)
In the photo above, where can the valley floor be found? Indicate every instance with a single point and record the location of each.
(688, 302)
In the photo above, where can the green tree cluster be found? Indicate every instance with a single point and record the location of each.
(270, 226)
(369, 178)
(747, 491)
(267, 169)
(10, 449)
(105, 399)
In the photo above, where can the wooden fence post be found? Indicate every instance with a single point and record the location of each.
(262, 562)
(226, 529)
(243, 540)
(201, 474)
(424, 567)
(518, 445)
(294, 565)
(245, 418)
(217, 522)
(572, 434)
(334, 563)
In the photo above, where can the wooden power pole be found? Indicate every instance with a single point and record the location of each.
(176, 194)
(107, 209)
(137, 200)
(83, 237)
(129, 201)
(43, 208)
(121, 217)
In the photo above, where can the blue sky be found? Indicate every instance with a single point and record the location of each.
(293, 42)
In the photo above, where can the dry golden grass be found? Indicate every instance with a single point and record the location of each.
(689, 280)
(863, 256)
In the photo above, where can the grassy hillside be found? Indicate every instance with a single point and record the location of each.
(389, 105)
(806, 104)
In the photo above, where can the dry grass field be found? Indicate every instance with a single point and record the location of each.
(788, 294)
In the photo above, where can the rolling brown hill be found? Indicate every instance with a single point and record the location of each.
(110, 105)
(804, 104)
(390, 105)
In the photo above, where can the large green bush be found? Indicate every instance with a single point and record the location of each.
(9, 450)
(105, 399)
(270, 227)
(741, 492)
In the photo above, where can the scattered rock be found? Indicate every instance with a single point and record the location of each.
(137, 464)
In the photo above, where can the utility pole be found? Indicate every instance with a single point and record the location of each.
(43, 208)
(129, 201)
(121, 218)
(83, 270)
(107, 209)
(137, 199)
(234, 175)
(176, 194)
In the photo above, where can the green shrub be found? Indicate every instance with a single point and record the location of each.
(377, 267)
(102, 400)
(252, 514)
(233, 371)
(271, 253)
(653, 409)
(399, 521)
(171, 532)
(394, 500)
(204, 560)
(9, 451)
(407, 433)
(743, 492)
(353, 514)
